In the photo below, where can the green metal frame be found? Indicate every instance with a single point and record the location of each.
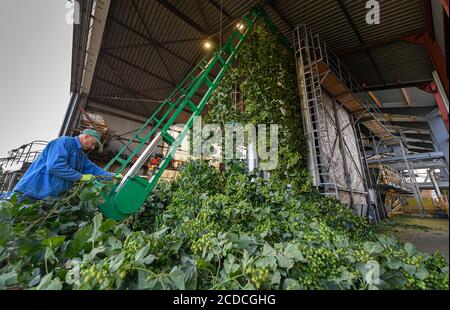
(128, 196)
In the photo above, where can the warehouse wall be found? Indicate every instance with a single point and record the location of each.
(125, 128)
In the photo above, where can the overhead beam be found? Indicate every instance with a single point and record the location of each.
(419, 84)
(110, 48)
(419, 165)
(201, 9)
(107, 111)
(360, 39)
(139, 68)
(126, 88)
(406, 96)
(442, 185)
(274, 7)
(141, 19)
(404, 118)
(378, 43)
(220, 9)
(424, 145)
(150, 40)
(419, 149)
(423, 137)
(183, 40)
(396, 118)
(428, 40)
(183, 17)
(411, 157)
(418, 125)
(405, 130)
(373, 97)
(413, 111)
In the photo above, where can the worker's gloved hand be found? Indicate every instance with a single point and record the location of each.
(118, 177)
(87, 178)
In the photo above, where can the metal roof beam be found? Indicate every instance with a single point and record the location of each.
(138, 68)
(419, 84)
(406, 97)
(419, 165)
(361, 40)
(121, 94)
(183, 16)
(271, 3)
(442, 185)
(131, 91)
(182, 40)
(397, 118)
(405, 130)
(404, 118)
(424, 137)
(201, 9)
(157, 48)
(417, 125)
(378, 43)
(424, 145)
(399, 159)
(414, 111)
(150, 40)
(220, 9)
(375, 99)
(128, 46)
(126, 88)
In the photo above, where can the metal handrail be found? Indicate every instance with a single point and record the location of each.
(26, 153)
(344, 74)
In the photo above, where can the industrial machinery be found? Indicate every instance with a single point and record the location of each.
(128, 196)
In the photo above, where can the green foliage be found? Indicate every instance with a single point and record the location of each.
(265, 75)
(226, 231)
(213, 230)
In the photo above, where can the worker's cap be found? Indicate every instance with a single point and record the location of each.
(93, 133)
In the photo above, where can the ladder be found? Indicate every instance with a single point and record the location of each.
(129, 195)
(309, 54)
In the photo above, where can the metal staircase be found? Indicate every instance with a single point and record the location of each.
(309, 54)
(128, 196)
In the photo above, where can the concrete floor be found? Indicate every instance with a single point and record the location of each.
(426, 234)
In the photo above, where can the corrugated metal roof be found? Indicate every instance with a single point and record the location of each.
(391, 98)
(147, 47)
(397, 60)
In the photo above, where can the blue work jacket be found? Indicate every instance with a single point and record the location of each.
(60, 164)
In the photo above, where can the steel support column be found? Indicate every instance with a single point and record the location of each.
(368, 186)
(439, 134)
(441, 99)
(412, 178)
(428, 40)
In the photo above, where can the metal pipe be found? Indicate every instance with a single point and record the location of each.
(140, 161)
(434, 182)
(412, 178)
(68, 119)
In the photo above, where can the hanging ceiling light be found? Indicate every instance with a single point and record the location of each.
(207, 45)
(240, 26)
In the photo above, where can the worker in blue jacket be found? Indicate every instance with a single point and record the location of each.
(61, 163)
